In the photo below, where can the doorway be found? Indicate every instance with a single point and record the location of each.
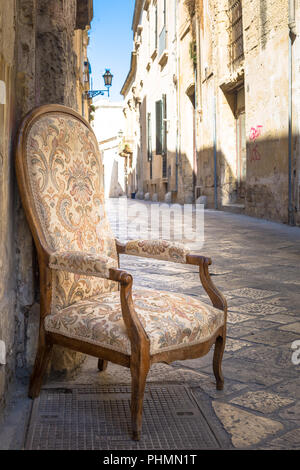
(241, 152)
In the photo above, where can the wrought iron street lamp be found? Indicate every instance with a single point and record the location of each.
(107, 76)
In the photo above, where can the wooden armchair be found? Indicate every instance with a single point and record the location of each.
(87, 302)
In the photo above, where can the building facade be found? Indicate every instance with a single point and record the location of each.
(150, 96)
(248, 139)
(42, 54)
(215, 113)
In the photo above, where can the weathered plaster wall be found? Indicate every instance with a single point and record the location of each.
(296, 112)
(186, 84)
(108, 126)
(266, 85)
(46, 73)
(264, 74)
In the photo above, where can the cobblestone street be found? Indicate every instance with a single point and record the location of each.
(256, 266)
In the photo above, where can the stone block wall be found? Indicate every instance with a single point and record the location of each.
(37, 66)
(7, 252)
(263, 75)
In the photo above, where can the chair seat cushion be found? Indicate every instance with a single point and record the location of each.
(170, 320)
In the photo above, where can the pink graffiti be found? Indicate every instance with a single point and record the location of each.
(255, 132)
(255, 155)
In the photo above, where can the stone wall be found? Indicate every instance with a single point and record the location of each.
(296, 112)
(7, 252)
(239, 121)
(37, 66)
(261, 76)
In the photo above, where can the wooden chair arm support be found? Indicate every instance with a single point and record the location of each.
(217, 298)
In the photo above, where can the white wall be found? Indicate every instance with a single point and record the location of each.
(108, 122)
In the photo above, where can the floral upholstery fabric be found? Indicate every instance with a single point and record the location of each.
(83, 263)
(66, 176)
(170, 320)
(159, 249)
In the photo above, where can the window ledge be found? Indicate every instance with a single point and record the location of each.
(163, 58)
(154, 54)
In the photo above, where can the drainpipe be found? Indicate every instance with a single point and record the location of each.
(195, 155)
(178, 98)
(292, 34)
(215, 152)
(198, 49)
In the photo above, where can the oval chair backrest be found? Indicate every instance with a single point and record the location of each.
(62, 181)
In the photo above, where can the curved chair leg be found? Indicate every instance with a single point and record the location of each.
(102, 365)
(139, 376)
(217, 361)
(40, 365)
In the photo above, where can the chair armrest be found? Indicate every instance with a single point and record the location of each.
(178, 253)
(87, 264)
(157, 249)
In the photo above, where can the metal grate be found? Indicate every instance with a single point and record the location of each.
(98, 418)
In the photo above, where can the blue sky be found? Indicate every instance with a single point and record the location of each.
(111, 43)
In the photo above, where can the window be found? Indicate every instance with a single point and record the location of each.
(163, 29)
(161, 132)
(149, 142)
(236, 31)
(156, 26)
(82, 105)
(164, 136)
(87, 71)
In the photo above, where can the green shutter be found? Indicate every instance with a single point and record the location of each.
(149, 137)
(159, 123)
(164, 125)
(164, 137)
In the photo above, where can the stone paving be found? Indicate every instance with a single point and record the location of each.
(256, 264)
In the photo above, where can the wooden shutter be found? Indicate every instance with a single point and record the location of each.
(164, 136)
(149, 137)
(159, 123)
(164, 125)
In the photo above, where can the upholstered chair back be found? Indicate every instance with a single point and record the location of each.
(65, 174)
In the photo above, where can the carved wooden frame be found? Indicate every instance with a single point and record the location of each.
(140, 359)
